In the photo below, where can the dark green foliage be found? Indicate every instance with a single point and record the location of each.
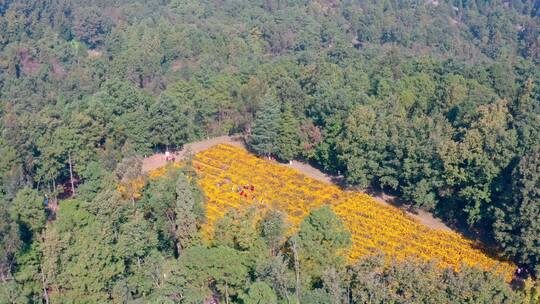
(96, 179)
(68, 258)
(223, 266)
(174, 117)
(287, 141)
(266, 128)
(10, 242)
(433, 101)
(316, 296)
(260, 293)
(238, 230)
(526, 118)
(137, 239)
(473, 164)
(362, 145)
(322, 240)
(27, 278)
(404, 282)
(276, 273)
(173, 205)
(518, 221)
(273, 229)
(185, 217)
(28, 211)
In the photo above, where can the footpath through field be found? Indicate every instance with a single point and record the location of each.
(159, 160)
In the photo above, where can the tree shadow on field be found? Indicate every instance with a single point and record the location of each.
(479, 237)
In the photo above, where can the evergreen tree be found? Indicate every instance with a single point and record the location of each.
(473, 164)
(526, 117)
(444, 128)
(136, 240)
(322, 241)
(316, 296)
(237, 229)
(362, 146)
(260, 293)
(273, 229)
(203, 272)
(173, 116)
(173, 205)
(518, 222)
(10, 243)
(373, 280)
(79, 241)
(265, 130)
(29, 212)
(185, 219)
(288, 140)
(276, 273)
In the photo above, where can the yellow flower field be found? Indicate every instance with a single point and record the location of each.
(233, 178)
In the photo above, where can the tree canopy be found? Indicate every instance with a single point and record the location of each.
(434, 102)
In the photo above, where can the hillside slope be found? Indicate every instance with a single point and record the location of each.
(232, 178)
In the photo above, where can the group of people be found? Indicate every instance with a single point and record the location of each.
(169, 157)
(242, 190)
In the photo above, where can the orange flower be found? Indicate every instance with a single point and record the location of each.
(225, 170)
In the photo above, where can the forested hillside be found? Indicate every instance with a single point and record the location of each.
(437, 102)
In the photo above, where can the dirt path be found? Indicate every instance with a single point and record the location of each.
(310, 171)
(158, 160)
(422, 216)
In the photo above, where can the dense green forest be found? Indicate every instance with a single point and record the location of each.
(437, 102)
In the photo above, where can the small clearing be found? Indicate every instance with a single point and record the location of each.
(158, 160)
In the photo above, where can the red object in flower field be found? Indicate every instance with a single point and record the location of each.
(373, 226)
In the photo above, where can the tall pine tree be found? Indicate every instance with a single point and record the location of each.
(288, 140)
(322, 240)
(266, 128)
(186, 220)
(518, 223)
